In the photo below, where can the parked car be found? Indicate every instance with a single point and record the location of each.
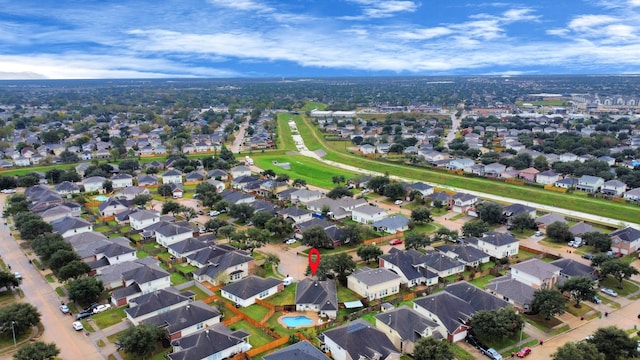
(524, 352)
(398, 202)
(90, 308)
(101, 308)
(17, 275)
(570, 243)
(64, 308)
(587, 256)
(538, 233)
(596, 300)
(77, 326)
(609, 292)
(395, 242)
(214, 213)
(83, 315)
(493, 354)
(475, 342)
(290, 241)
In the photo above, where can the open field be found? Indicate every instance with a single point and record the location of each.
(575, 202)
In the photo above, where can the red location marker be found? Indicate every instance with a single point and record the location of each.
(314, 260)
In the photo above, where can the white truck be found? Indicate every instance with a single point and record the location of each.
(248, 161)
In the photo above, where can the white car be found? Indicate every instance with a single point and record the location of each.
(101, 308)
(609, 292)
(290, 241)
(17, 275)
(8, 191)
(77, 326)
(398, 202)
(214, 213)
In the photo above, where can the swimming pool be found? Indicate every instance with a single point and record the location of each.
(101, 198)
(295, 321)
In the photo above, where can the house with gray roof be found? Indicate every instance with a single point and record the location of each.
(410, 266)
(466, 254)
(392, 224)
(138, 280)
(359, 340)
(545, 220)
(94, 183)
(141, 219)
(633, 194)
(130, 192)
(185, 320)
(338, 209)
(168, 233)
(172, 176)
(518, 294)
(240, 170)
(214, 342)
(614, 188)
(368, 214)
(295, 214)
(70, 225)
(374, 283)
(496, 244)
(55, 213)
(302, 350)
(121, 181)
(454, 307)
(571, 268)
(237, 197)
(114, 206)
(218, 174)
(114, 253)
(536, 273)
(512, 210)
(441, 264)
(304, 196)
(625, 241)
(186, 247)
(153, 303)
(218, 185)
(86, 243)
(424, 189)
(67, 187)
(244, 292)
(319, 296)
(463, 202)
(147, 180)
(590, 183)
(221, 264)
(582, 228)
(547, 177)
(405, 326)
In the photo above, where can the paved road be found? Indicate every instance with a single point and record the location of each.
(455, 124)
(73, 344)
(236, 147)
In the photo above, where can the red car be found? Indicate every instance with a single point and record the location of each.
(395, 242)
(524, 352)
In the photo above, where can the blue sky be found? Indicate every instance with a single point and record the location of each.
(70, 39)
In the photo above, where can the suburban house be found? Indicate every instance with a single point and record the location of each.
(614, 188)
(528, 174)
(625, 241)
(545, 220)
(547, 177)
(304, 196)
(213, 342)
(536, 273)
(567, 183)
(156, 302)
(338, 209)
(496, 244)
(494, 169)
(463, 164)
(112, 254)
(142, 218)
(120, 181)
(172, 176)
(237, 197)
(462, 202)
(295, 214)
(85, 244)
(405, 326)
(66, 187)
(374, 283)
(318, 296)
(185, 320)
(221, 264)
(130, 192)
(113, 206)
(590, 183)
(441, 264)
(184, 248)
(466, 254)
(367, 149)
(147, 180)
(94, 183)
(302, 350)
(238, 171)
(70, 225)
(424, 189)
(632, 195)
(453, 308)
(218, 185)
(368, 214)
(580, 229)
(409, 265)
(245, 292)
(392, 224)
(571, 268)
(518, 294)
(359, 340)
(55, 213)
(509, 211)
(168, 233)
(136, 278)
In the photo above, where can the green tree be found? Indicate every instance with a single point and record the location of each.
(580, 350)
(260, 219)
(8, 280)
(416, 240)
(601, 242)
(353, 234)
(226, 231)
(187, 212)
(378, 183)
(140, 340)
(522, 221)
(496, 324)
(490, 212)
(599, 259)
(559, 232)
(548, 302)
(165, 190)
(394, 191)
(343, 265)
(421, 214)
(614, 343)
(258, 236)
(73, 270)
(107, 185)
(337, 179)
(298, 183)
(369, 252)
(315, 236)
(338, 192)
(474, 228)
(85, 290)
(580, 288)
(22, 315)
(619, 269)
(142, 199)
(171, 207)
(270, 260)
(428, 348)
(61, 258)
(279, 226)
(33, 228)
(36, 351)
(242, 212)
(214, 224)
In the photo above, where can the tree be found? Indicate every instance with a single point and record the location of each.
(279, 225)
(428, 348)
(337, 179)
(242, 212)
(416, 240)
(338, 192)
(378, 184)
(394, 191)
(214, 224)
(61, 258)
(541, 163)
(474, 228)
(108, 186)
(614, 343)
(260, 219)
(22, 315)
(599, 259)
(299, 183)
(74, 269)
(129, 166)
(226, 231)
(268, 173)
(369, 252)
(69, 157)
(522, 221)
(171, 207)
(548, 302)
(559, 232)
(581, 350)
(271, 259)
(490, 212)
(142, 199)
(443, 234)
(500, 323)
(421, 214)
(33, 228)
(599, 241)
(343, 265)
(140, 340)
(282, 178)
(353, 234)
(315, 236)
(8, 280)
(37, 351)
(258, 236)
(187, 212)
(165, 190)
(85, 290)
(619, 269)
(580, 288)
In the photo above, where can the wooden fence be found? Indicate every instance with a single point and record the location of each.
(252, 321)
(269, 346)
(378, 240)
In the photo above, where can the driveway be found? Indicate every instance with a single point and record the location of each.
(73, 344)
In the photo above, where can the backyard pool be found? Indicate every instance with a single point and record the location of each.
(101, 198)
(295, 321)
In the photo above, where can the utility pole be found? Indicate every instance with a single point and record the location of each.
(14, 333)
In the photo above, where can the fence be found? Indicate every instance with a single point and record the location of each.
(252, 321)
(269, 346)
(383, 238)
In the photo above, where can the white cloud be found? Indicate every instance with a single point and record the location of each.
(587, 22)
(374, 9)
(422, 34)
(243, 5)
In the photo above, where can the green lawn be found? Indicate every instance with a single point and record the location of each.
(257, 337)
(142, 254)
(200, 294)
(460, 353)
(275, 326)
(186, 268)
(177, 279)
(255, 311)
(499, 344)
(583, 309)
(312, 171)
(541, 323)
(109, 318)
(482, 281)
(284, 297)
(345, 294)
(102, 229)
(628, 287)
